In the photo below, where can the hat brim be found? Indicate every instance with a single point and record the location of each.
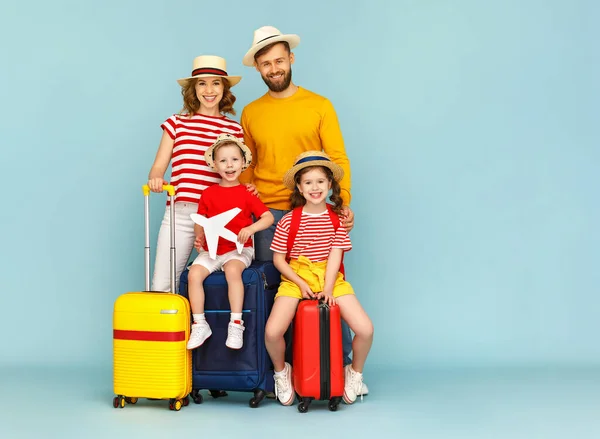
(232, 79)
(208, 155)
(290, 175)
(292, 39)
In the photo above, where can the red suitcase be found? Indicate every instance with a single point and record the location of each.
(318, 370)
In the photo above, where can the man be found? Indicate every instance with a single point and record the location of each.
(280, 125)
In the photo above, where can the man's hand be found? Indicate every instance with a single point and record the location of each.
(347, 218)
(251, 188)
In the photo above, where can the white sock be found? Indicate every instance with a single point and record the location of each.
(235, 316)
(198, 317)
(281, 372)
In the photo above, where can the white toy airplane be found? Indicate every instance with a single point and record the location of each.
(214, 228)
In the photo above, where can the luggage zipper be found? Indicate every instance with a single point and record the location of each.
(324, 351)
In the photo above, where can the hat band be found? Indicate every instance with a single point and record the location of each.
(209, 71)
(312, 158)
(264, 39)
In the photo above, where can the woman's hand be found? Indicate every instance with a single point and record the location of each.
(199, 242)
(156, 184)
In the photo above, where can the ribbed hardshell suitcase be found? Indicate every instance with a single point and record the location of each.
(318, 370)
(150, 333)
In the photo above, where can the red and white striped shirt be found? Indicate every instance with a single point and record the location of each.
(192, 137)
(315, 238)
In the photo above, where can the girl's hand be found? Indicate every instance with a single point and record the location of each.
(244, 234)
(199, 242)
(306, 291)
(156, 184)
(251, 188)
(327, 298)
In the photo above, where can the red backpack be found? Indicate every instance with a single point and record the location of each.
(295, 225)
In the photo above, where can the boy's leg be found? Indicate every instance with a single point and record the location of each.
(200, 328)
(264, 238)
(280, 318)
(233, 273)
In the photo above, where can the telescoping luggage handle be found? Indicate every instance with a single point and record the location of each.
(171, 191)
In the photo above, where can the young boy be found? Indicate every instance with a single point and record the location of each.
(229, 157)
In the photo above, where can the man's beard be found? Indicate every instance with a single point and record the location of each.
(279, 86)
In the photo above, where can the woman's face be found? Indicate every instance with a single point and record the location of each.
(209, 92)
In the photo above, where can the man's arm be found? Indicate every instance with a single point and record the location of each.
(248, 175)
(333, 145)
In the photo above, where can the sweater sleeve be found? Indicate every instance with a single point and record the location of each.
(248, 175)
(333, 145)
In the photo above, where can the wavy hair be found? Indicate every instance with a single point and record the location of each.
(297, 199)
(191, 104)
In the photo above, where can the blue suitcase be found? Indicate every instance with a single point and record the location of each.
(214, 365)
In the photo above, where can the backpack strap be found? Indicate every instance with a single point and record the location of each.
(294, 226)
(335, 220)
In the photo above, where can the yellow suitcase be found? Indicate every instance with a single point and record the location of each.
(150, 333)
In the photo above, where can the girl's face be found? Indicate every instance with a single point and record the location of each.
(209, 92)
(229, 161)
(314, 186)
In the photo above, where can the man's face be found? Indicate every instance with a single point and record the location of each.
(275, 68)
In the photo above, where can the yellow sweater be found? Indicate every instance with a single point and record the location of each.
(277, 130)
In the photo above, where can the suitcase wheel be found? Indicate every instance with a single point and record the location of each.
(218, 393)
(118, 402)
(186, 401)
(130, 400)
(334, 403)
(175, 404)
(303, 406)
(196, 396)
(259, 395)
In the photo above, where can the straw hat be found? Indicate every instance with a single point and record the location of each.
(311, 158)
(228, 138)
(263, 37)
(205, 66)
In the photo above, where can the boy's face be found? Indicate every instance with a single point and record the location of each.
(229, 160)
(275, 68)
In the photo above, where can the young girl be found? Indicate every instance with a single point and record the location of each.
(229, 157)
(186, 137)
(313, 270)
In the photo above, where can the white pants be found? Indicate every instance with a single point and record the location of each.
(184, 243)
(213, 265)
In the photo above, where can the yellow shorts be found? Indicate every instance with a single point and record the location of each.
(314, 275)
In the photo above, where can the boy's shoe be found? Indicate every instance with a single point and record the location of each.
(353, 385)
(200, 332)
(284, 391)
(235, 335)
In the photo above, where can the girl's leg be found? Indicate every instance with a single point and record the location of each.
(200, 329)
(279, 321)
(235, 332)
(184, 243)
(361, 324)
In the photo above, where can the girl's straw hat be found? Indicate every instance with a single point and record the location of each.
(311, 158)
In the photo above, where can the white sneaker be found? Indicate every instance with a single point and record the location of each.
(200, 332)
(284, 391)
(365, 390)
(353, 385)
(235, 336)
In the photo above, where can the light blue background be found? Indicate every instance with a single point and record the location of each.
(472, 129)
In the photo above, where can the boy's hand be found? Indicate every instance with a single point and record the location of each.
(244, 234)
(251, 188)
(199, 242)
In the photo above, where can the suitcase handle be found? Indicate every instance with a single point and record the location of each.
(171, 191)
